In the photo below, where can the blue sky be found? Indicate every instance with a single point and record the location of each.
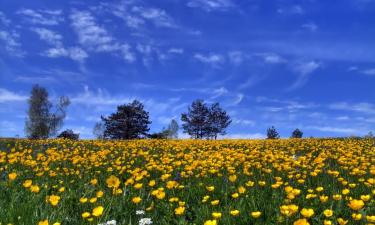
(308, 64)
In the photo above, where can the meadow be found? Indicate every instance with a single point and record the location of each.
(288, 181)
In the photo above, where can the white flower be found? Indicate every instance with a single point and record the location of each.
(145, 221)
(111, 222)
(139, 212)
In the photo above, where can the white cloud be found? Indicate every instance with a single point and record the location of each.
(363, 107)
(236, 57)
(335, 129)
(97, 38)
(310, 26)
(271, 58)
(304, 69)
(245, 136)
(212, 59)
(211, 5)
(49, 36)
(42, 17)
(3, 19)
(157, 16)
(369, 71)
(176, 50)
(294, 9)
(8, 96)
(10, 43)
(74, 53)
(219, 92)
(244, 122)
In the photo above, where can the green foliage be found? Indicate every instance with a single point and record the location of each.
(129, 122)
(41, 123)
(297, 133)
(272, 133)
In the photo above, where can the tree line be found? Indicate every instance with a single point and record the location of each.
(129, 121)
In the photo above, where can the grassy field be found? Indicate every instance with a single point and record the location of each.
(308, 181)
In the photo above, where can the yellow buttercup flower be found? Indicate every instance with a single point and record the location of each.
(113, 182)
(234, 212)
(307, 212)
(136, 200)
(179, 211)
(301, 222)
(43, 222)
(98, 211)
(54, 199)
(256, 214)
(210, 222)
(356, 204)
(328, 213)
(216, 215)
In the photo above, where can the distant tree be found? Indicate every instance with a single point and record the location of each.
(218, 121)
(172, 130)
(164, 134)
(195, 120)
(202, 121)
(98, 130)
(68, 134)
(369, 135)
(272, 133)
(129, 122)
(297, 133)
(41, 123)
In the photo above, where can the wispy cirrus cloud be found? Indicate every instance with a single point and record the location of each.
(212, 59)
(362, 107)
(9, 96)
(292, 9)
(311, 26)
(42, 17)
(51, 37)
(3, 19)
(369, 72)
(304, 70)
(211, 5)
(11, 43)
(74, 53)
(95, 37)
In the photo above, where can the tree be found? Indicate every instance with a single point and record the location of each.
(202, 121)
(195, 120)
(68, 134)
(172, 130)
(40, 122)
(218, 121)
(297, 133)
(129, 122)
(98, 130)
(272, 133)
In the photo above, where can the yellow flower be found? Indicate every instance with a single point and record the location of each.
(13, 176)
(210, 188)
(301, 222)
(327, 222)
(57, 223)
(215, 202)
(328, 212)
(370, 219)
(235, 195)
(341, 221)
(234, 212)
(345, 191)
(151, 183)
(357, 216)
(99, 194)
(241, 189)
(83, 200)
(113, 182)
(216, 215)
(43, 222)
(256, 214)
(138, 185)
(179, 211)
(210, 222)
(93, 182)
(233, 178)
(93, 200)
(86, 214)
(34, 188)
(356, 204)
(54, 199)
(27, 183)
(136, 200)
(307, 212)
(365, 197)
(97, 211)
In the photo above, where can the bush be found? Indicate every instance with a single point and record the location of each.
(68, 134)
